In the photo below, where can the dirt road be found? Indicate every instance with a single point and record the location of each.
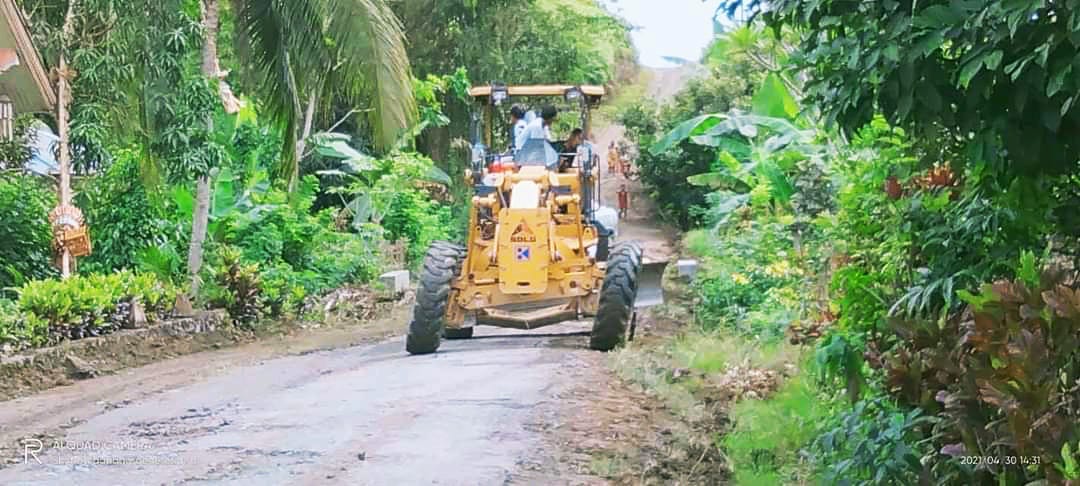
(322, 411)
(357, 415)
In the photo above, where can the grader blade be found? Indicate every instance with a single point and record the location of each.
(650, 289)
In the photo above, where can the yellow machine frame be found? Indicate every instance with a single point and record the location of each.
(529, 267)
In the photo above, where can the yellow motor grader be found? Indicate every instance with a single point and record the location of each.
(539, 247)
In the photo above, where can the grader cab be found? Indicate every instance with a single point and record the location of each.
(540, 247)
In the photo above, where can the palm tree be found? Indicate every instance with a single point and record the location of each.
(293, 46)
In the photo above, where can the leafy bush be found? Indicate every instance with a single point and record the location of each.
(343, 258)
(957, 244)
(1004, 377)
(747, 282)
(873, 443)
(276, 230)
(416, 218)
(164, 261)
(82, 306)
(123, 217)
(25, 233)
(395, 195)
(250, 288)
(283, 289)
(234, 285)
(904, 248)
(20, 330)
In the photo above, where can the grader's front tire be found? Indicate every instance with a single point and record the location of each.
(441, 265)
(617, 297)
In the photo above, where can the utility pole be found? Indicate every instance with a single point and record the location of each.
(62, 96)
(66, 219)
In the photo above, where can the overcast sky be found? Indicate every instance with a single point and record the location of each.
(678, 28)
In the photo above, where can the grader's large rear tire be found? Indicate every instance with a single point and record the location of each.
(617, 297)
(441, 265)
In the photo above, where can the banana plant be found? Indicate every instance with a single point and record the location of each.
(373, 184)
(230, 196)
(751, 148)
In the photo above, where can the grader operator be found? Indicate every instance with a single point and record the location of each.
(539, 247)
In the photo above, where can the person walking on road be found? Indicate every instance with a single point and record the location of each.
(624, 201)
(613, 159)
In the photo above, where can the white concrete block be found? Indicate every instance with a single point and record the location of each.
(687, 268)
(396, 281)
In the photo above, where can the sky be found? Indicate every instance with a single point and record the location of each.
(678, 28)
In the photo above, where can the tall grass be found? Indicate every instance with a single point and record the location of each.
(764, 445)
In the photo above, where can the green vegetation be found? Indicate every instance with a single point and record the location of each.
(288, 145)
(82, 306)
(26, 235)
(765, 441)
(883, 195)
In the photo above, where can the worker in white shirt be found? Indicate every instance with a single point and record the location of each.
(519, 124)
(541, 127)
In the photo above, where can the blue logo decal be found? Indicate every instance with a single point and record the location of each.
(522, 253)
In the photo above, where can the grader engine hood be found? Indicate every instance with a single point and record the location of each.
(524, 242)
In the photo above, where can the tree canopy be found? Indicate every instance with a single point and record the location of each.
(997, 78)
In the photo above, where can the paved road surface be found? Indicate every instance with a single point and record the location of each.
(362, 415)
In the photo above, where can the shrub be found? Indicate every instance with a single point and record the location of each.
(284, 289)
(1003, 377)
(25, 232)
(416, 218)
(19, 330)
(124, 219)
(234, 285)
(873, 443)
(344, 258)
(747, 279)
(276, 229)
(83, 306)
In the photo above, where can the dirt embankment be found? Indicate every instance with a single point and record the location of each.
(37, 370)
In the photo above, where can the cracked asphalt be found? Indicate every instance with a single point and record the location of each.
(357, 415)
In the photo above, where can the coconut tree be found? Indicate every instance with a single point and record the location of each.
(290, 47)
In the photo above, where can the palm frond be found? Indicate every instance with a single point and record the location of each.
(298, 45)
(263, 43)
(370, 44)
(266, 32)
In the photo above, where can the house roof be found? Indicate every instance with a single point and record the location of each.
(24, 80)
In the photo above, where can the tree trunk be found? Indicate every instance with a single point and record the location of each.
(63, 100)
(201, 218)
(301, 144)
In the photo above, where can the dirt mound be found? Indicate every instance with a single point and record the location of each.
(602, 430)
